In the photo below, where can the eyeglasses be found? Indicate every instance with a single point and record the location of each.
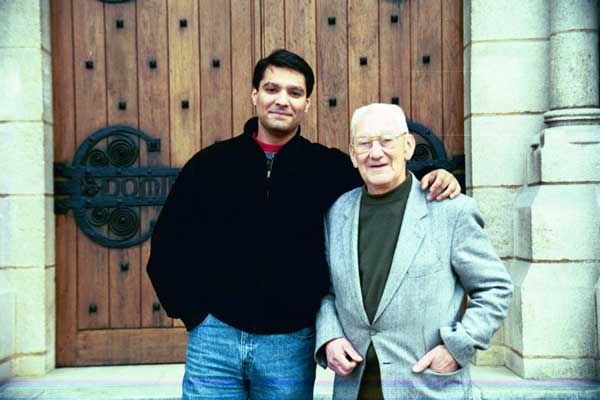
(365, 144)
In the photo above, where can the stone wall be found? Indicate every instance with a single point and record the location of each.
(506, 94)
(27, 327)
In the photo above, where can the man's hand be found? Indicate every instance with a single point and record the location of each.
(444, 185)
(341, 356)
(438, 360)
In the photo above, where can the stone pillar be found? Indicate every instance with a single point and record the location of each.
(506, 94)
(26, 205)
(557, 218)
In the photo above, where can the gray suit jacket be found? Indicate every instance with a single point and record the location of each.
(442, 253)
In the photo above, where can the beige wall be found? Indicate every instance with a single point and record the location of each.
(26, 205)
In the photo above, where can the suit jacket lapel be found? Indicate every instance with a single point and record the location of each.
(350, 238)
(409, 241)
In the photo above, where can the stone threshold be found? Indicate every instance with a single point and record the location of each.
(163, 382)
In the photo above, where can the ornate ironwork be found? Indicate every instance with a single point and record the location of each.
(430, 153)
(106, 191)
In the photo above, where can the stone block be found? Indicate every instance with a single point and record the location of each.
(509, 19)
(30, 365)
(597, 301)
(501, 78)
(29, 285)
(22, 158)
(570, 154)
(574, 14)
(496, 205)
(21, 84)
(50, 321)
(50, 233)
(48, 159)
(513, 325)
(5, 371)
(557, 306)
(551, 368)
(47, 87)
(574, 67)
(494, 356)
(467, 81)
(45, 24)
(22, 231)
(499, 147)
(558, 222)
(20, 23)
(7, 318)
(468, 157)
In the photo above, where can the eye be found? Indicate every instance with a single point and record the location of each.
(270, 88)
(296, 93)
(363, 142)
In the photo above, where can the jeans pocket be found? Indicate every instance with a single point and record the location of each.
(304, 334)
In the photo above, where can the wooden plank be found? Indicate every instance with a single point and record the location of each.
(257, 31)
(131, 346)
(300, 37)
(426, 39)
(121, 79)
(394, 45)
(452, 50)
(184, 80)
(64, 147)
(153, 120)
(273, 25)
(215, 47)
(90, 112)
(242, 48)
(332, 79)
(363, 42)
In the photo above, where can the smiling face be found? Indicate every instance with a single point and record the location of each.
(381, 168)
(280, 104)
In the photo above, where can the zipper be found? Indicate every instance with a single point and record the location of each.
(268, 182)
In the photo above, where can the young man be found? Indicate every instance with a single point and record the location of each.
(238, 250)
(392, 326)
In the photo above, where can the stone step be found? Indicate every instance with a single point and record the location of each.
(163, 382)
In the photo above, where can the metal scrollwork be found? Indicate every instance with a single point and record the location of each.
(430, 153)
(107, 191)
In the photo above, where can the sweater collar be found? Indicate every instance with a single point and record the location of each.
(290, 150)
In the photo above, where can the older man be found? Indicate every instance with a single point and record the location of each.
(392, 325)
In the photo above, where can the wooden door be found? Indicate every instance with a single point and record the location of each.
(181, 71)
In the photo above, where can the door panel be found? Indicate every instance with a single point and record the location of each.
(181, 71)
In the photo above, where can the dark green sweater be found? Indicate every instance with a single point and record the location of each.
(379, 225)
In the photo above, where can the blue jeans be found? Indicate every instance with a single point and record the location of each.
(223, 362)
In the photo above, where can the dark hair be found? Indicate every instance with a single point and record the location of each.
(284, 59)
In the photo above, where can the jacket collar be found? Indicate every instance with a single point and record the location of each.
(290, 150)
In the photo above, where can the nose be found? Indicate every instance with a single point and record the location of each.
(376, 150)
(282, 98)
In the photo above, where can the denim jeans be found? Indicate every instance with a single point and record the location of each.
(223, 362)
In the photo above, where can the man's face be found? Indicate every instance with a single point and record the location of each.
(382, 169)
(280, 101)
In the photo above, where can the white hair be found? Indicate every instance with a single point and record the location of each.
(394, 110)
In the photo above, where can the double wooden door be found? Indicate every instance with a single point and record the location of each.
(181, 71)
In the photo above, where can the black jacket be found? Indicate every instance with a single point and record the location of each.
(248, 249)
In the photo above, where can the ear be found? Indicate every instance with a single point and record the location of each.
(352, 156)
(253, 96)
(307, 106)
(409, 148)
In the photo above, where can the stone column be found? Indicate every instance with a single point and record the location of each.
(506, 95)
(553, 332)
(26, 206)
